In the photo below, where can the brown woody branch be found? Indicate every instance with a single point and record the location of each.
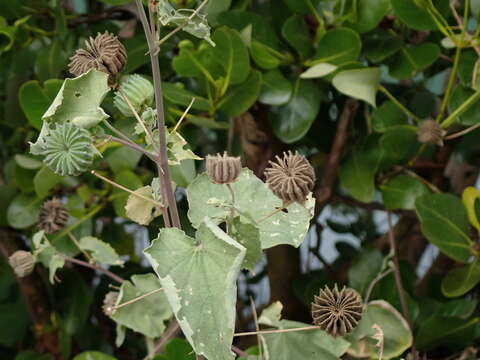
(324, 192)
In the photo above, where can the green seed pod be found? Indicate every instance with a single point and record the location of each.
(68, 150)
(22, 262)
(139, 92)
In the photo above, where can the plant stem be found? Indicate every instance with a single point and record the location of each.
(184, 115)
(148, 133)
(257, 327)
(463, 132)
(398, 103)
(162, 160)
(398, 278)
(77, 244)
(79, 222)
(373, 283)
(133, 146)
(307, 328)
(453, 72)
(232, 209)
(94, 267)
(121, 187)
(460, 110)
(171, 330)
(134, 300)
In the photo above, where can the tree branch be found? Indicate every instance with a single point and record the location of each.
(325, 191)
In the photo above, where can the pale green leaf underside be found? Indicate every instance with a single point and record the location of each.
(79, 100)
(101, 251)
(305, 345)
(148, 315)
(199, 279)
(254, 200)
(397, 333)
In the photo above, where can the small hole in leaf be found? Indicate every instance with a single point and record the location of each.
(285, 211)
(77, 94)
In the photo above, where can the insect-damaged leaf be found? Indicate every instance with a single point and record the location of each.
(199, 278)
(255, 203)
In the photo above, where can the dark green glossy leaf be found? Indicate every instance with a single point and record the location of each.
(381, 45)
(368, 14)
(276, 89)
(415, 16)
(445, 224)
(181, 96)
(401, 192)
(386, 116)
(292, 121)
(295, 31)
(459, 96)
(240, 98)
(365, 267)
(461, 280)
(337, 47)
(264, 56)
(413, 59)
(399, 144)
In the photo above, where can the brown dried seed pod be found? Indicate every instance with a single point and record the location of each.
(22, 262)
(109, 302)
(291, 177)
(337, 312)
(53, 216)
(223, 169)
(104, 53)
(430, 132)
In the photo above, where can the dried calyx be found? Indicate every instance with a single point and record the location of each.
(223, 169)
(104, 53)
(53, 216)
(290, 177)
(22, 263)
(337, 311)
(430, 132)
(109, 302)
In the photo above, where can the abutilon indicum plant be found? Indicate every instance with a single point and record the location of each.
(307, 119)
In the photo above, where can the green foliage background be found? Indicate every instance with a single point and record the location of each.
(348, 83)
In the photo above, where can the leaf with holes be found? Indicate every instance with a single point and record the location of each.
(255, 203)
(199, 279)
(79, 99)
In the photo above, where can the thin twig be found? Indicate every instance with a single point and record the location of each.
(461, 133)
(94, 267)
(307, 328)
(239, 351)
(121, 187)
(324, 192)
(172, 329)
(398, 103)
(133, 146)
(375, 282)
(177, 29)
(134, 300)
(77, 244)
(398, 278)
(184, 115)
(276, 211)
(148, 133)
(257, 327)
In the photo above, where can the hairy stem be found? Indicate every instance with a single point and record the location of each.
(162, 159)
(94, 267)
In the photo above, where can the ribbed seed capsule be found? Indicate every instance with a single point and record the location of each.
(104, 53)
(337, 312)
(223, 169)
(53, 216)
(22, 262)
(291, 177)
(139, 92)
(68, 150)
(430, 132)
